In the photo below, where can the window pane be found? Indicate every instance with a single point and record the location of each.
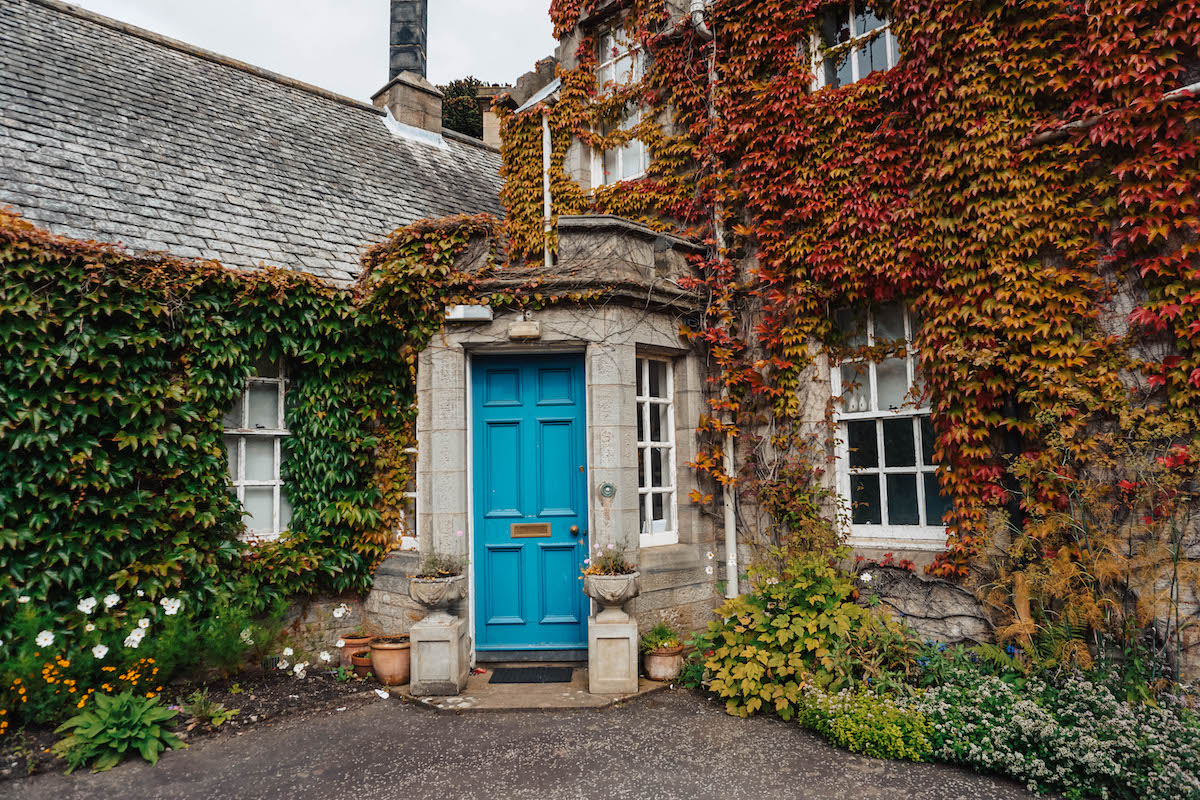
(285, 511)
(853, 325)
(658, 508)
(658, 459)
(864, 495)
(855, 391)
(872, 56)
(642, 468)
(838, 69)
(899, 447)
(659, 428)
(631, 160)
(260, 507)
(860, 437)
(902, 500)
(260, 458)
(641, 422)
(624, 74)
(928, 439)
(265, 368)
(891, 381)
(264, 406)
(231, 450)
(233, 417)
(936, 504)
(641, 383)
(642, 523)
(889, 323)
(835, 25)
(865, 20)
(612, 166)
(658, 379)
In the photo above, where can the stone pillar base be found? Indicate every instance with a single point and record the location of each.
(612, 657)
(441, 656)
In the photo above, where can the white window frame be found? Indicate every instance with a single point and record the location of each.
(408, 533)
(923, 536)
(609, 63)
(664, 532)
(820, 54)
(241, 435)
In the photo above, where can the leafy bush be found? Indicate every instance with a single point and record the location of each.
(865, 722)
(1077, 737)
(660, 636)
(113, 728)
(203, 710)
(769, 642)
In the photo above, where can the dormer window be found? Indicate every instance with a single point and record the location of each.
(851, 43)
(621, 63)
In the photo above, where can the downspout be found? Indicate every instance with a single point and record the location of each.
(727, 494)
(547, 205)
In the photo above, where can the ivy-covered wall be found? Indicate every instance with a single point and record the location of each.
(1026, 179)
(115, 372)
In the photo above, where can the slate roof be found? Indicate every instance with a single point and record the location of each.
(114, 133)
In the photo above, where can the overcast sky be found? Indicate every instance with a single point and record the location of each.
(341, 45)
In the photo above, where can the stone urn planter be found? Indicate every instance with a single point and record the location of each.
(612, 592)
(439, 595)
(664, 664)
(390, 659)
(352, 643)
(361, 661)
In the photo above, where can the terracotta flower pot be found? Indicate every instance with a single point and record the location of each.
(664, 663)
(361, 661)
(390, 658)
(351, 645)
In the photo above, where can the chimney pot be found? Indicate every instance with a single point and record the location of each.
(409, 37)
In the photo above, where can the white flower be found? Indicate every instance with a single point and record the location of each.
(140, 593)
(171, 606)
(339, 612)
(710, 555)
(135, 638)
(87, 605)
(382, 694)
(143, 623)
(287, 651)
(300, 669)
(1, 643)
(324, 656)
(340, 643)
(45, 639)
(246, 637)
(709, 570)
(866, 577)
(284, 664)
(111, 600)
(23, 598)
(89, 627)
(99, 651)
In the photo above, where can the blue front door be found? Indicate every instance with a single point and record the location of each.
(530, 502)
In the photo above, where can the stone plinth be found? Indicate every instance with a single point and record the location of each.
(441, 655)
(612, 657)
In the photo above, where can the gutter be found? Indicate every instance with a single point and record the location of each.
(698, 23)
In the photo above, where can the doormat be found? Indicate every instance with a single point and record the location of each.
(531, 675)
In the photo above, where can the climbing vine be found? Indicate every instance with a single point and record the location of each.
(1025, 179)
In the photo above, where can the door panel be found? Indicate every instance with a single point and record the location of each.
(530, 478)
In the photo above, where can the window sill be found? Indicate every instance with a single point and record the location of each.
(668, 558)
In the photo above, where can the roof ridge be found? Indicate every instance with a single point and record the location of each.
(208, 55)
(458, 136)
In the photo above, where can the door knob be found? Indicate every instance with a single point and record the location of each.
(574, 530)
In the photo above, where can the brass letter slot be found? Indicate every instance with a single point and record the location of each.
(530, 530)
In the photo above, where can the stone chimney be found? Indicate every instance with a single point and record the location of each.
(409, 37)
(411, 98)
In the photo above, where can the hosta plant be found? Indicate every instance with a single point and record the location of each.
(114, 728)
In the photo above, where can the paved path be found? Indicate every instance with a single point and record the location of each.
(669, 745)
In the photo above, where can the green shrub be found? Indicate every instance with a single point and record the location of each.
(867, 723)
(660, 636)
(770, 642)
(203, 710)
(1075, 736)
(114, 728)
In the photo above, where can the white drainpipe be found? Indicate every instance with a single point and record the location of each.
(547, 213)
(727, 494)
(698, 22)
